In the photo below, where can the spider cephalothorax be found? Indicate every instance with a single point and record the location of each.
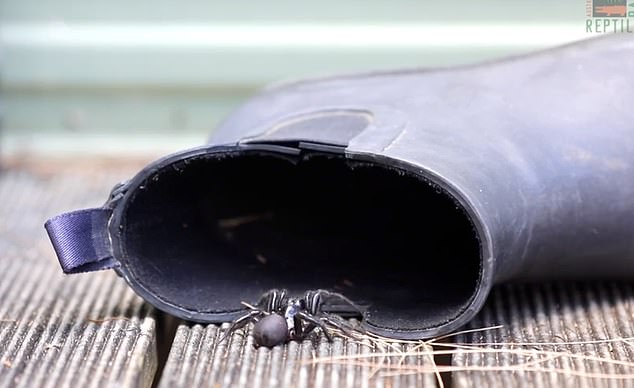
(280, 318)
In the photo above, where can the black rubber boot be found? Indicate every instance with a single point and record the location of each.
(411, 193)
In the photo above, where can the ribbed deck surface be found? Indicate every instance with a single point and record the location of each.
(64, 331)
(556, 334)
(198, 359)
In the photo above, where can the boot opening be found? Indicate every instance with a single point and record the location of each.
(209, 232)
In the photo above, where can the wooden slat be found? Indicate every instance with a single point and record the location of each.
(198, 359)
(556, 335)
(57, 330)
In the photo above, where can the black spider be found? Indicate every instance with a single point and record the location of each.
(280, 318)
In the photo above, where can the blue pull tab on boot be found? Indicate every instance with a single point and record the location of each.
(81, 241)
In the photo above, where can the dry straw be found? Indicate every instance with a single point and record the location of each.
(390, 358)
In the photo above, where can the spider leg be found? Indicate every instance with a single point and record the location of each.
(273, 300)
(329, 294)
(315, 322)
(341, 324)
(309, 328)
(241, 322)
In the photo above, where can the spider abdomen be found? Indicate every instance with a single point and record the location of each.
(270, 331)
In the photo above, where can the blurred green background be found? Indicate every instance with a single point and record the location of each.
(157, 76)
